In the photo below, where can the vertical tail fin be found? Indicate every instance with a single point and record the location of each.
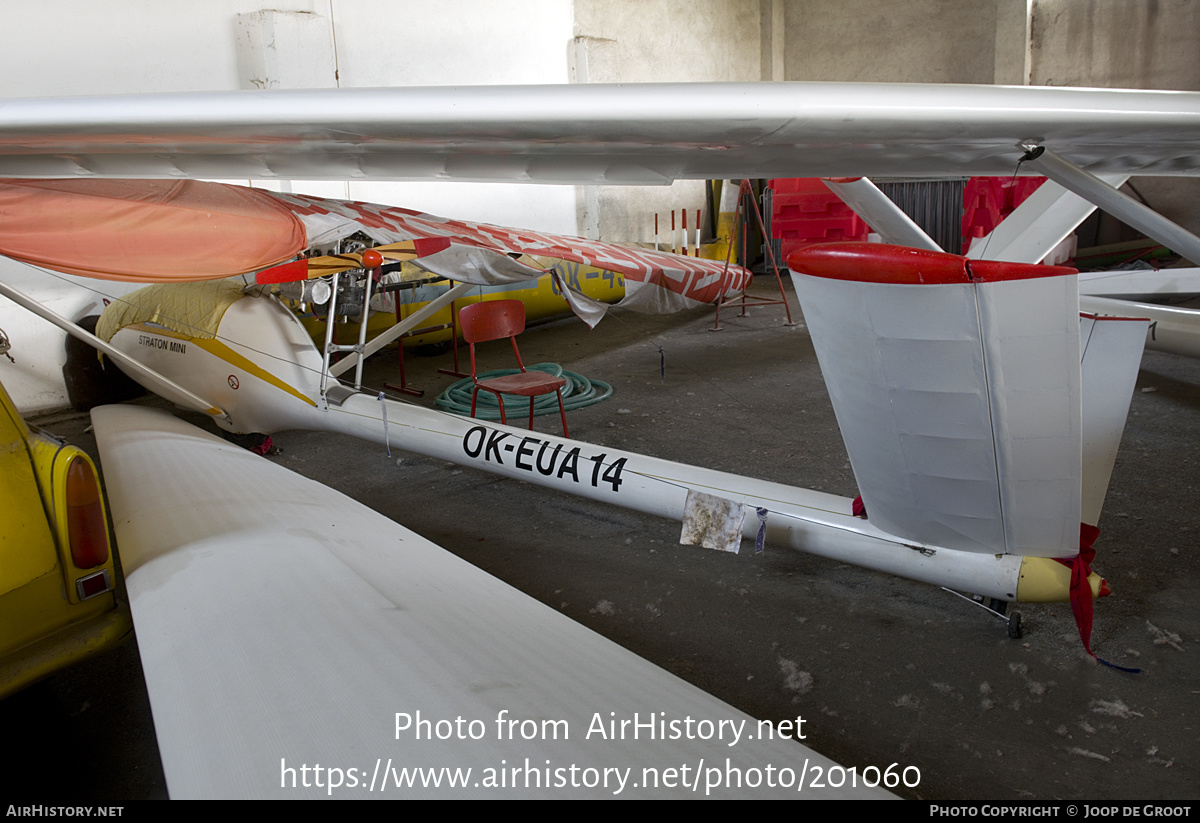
(957, 387)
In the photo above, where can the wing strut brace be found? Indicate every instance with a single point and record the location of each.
(1121, 206)
(400, 328)
(884, 216)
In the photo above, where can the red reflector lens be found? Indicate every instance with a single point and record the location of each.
(93, 585)
(86, 526)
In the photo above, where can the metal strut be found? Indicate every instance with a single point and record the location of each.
(1125, 208)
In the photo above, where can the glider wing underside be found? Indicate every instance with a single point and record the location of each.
(641, 134)
(283, 625)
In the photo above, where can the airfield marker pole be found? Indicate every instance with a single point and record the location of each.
(745, 192)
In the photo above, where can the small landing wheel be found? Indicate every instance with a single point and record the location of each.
(1014, 625)
(996, 608)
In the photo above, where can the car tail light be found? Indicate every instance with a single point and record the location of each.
(93, 584)
(87, 528)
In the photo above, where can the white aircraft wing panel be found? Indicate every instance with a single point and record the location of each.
(1142, 284)
(640, 134)
(283, 625)
(1112, 353)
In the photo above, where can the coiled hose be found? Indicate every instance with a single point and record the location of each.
(577, 393)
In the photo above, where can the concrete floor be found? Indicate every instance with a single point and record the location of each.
(883, 670)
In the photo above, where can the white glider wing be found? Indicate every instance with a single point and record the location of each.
(283, 625)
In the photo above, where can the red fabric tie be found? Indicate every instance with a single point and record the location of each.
(1081, 589)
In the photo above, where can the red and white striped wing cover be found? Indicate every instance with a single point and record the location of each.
(655, 282)
(162, 231)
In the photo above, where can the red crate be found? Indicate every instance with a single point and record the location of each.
(804, 210)
(988, 200)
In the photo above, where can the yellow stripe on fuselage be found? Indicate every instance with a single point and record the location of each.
(222, 352)
(219, 349)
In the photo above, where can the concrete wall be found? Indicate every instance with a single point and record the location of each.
(670, 41)
(642, 41)
(913, 41)
(1121, 44)
(1110, 43)
(1116, 44)
(65, 47)
(370, 43)
(461, 42)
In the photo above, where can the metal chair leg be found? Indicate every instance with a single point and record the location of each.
(562, 412)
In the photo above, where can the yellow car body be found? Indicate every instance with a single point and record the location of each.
(58, 601)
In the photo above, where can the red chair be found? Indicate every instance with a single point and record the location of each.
(492, 320)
